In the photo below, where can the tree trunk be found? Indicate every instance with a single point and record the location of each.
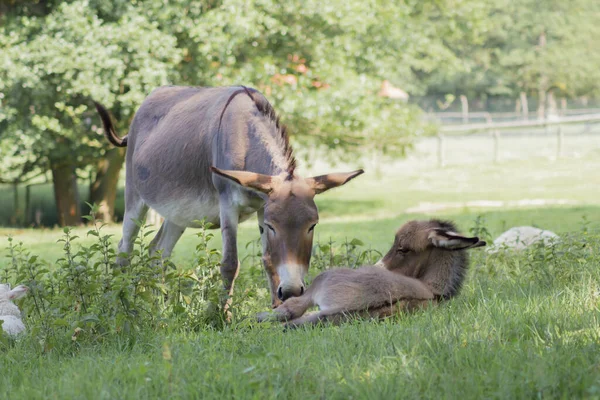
(541, 110)
(103, 191)
(15, 219)
(66, 194)
(524, 105)
(552, 106)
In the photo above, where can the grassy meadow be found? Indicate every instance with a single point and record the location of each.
(526, 325)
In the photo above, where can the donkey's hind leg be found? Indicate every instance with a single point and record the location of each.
(135, 210)
(166, 238)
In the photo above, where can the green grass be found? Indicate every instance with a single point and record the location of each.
(526, 325)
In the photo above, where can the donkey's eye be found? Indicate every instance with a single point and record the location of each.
(312, 228)
(402, 250)
(270, 227)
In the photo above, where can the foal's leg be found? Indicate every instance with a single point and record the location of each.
(335, 316)
(407, 306)
(135, 209)
(291, 309)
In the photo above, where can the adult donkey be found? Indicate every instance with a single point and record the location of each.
(178, 136)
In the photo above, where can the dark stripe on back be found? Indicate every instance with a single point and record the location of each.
(266, 109)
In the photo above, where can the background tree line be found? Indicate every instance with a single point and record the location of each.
(322, 64)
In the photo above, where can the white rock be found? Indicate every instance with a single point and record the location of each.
(521, 237)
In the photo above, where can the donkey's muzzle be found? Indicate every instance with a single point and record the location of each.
(285, 292)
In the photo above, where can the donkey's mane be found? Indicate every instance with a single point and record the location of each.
(266, 109)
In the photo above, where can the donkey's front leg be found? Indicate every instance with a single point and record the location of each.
(229, 263)
(272, 274)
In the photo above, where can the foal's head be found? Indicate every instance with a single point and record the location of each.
(431, 251)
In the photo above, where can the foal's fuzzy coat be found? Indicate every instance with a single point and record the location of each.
(427, 263)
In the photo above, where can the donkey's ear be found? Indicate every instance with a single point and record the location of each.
(449, 240)
(18, 292)
(252, 180)
(329, 181)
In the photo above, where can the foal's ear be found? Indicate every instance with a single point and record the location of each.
(449, 240)
(252, 180)
(325, 182)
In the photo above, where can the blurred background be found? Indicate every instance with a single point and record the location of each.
(447, 104)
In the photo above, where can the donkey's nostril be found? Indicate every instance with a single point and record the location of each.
(301, 290)
(280, 293)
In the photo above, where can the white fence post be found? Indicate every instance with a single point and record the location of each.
(496, 135)
(559, 142)
(441, 161)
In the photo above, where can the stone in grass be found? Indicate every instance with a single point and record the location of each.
(521, 237)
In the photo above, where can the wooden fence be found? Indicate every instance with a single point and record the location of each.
(494, 129)
(490, 117)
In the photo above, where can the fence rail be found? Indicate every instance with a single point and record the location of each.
(490, 117)
(466, 128)
(495, 129)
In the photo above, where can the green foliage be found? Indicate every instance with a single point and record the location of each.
(526, 46)
(51, 68)
(85, 295)
(351, 254)
(320, 64)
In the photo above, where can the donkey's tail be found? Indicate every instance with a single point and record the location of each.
(109, 129)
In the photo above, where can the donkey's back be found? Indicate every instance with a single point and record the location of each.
(177, 134)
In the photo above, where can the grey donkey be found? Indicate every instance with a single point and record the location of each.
(426, 264)
(220, 154)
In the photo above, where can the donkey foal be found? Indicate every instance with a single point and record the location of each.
(426, 264)
(9, 312)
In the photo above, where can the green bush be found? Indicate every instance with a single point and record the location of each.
(86, 297)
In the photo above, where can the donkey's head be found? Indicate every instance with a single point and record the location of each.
(431, 251)
(290, 217)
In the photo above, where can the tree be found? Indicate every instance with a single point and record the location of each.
(528, 48)
(53, 66)
(322, 64)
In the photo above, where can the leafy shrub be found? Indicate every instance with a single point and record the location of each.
(86, 297)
